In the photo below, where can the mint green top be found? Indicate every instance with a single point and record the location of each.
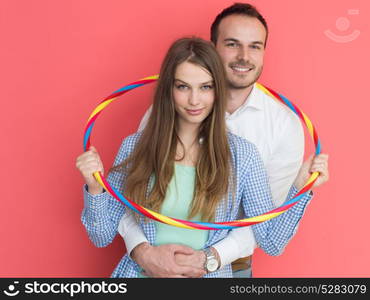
(180, 193)
(176, 204)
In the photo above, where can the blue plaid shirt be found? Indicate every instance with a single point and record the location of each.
(102, 213)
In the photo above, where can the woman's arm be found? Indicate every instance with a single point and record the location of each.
(102, 212)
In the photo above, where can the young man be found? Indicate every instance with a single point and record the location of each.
(239, 33)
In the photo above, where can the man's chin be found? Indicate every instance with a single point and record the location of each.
(243, 82)
(239, 85)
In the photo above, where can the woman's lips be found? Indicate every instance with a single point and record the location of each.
(194, 112)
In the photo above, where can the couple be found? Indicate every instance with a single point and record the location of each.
(193, 159)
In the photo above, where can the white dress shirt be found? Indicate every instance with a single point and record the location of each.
(278, 134)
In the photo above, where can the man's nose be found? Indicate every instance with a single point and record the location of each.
(243, 54)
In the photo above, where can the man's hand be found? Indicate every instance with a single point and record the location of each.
(318, 163)
(159, 261)
(197, 259)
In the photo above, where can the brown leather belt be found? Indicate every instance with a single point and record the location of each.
(243, 263)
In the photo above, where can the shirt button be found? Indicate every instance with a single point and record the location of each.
(95, 223)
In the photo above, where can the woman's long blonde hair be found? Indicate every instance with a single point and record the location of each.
(155, 151)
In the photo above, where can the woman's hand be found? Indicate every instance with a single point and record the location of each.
(88, 163)
(313, 164)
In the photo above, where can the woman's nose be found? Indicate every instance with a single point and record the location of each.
(194, 98)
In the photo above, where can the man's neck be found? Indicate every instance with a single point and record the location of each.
(236, 98)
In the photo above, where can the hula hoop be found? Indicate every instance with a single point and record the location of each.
(200, 225)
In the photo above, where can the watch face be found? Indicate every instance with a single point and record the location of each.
(212, 265)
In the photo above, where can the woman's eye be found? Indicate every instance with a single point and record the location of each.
(207, 87)
(181, 86)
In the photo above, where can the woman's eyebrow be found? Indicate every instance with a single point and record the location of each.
(209, 81)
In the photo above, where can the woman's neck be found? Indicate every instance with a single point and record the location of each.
(188, 134)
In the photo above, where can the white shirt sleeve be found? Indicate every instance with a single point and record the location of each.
(286, 159)
(128, 227)
(131, 231)
(145, 119)
(240, 242)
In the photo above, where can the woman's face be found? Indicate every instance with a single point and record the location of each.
(193, 93)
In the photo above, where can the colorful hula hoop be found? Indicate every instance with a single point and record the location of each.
(200, 225)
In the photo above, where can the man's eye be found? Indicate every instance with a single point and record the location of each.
(255, 47)
(231, 45)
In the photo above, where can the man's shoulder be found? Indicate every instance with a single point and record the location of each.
(278, 111)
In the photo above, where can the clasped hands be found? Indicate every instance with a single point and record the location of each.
(170, 261)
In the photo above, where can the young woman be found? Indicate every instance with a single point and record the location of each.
(185, 164)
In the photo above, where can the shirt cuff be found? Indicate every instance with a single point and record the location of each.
(228, 250)
(95, 202)
(300, 207)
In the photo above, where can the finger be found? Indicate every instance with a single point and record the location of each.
(145, 274)
(183, 249)
(101, 167)
(190, 271)
(93, 149)
(90, 159)
(323, 156)
(323, 175)
(90, 165)
(89, 172)
(87, 156)
(307, 163)
(321, 171)
(320, 160)
(322, 168)
(318, 166)
(310, 158)
(177, 276)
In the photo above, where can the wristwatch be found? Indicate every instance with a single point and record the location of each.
(211, 263)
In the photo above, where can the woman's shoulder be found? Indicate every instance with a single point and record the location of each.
(133, 138)
(241, 147)
(129, 142)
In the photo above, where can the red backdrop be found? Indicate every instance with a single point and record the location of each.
(60, 58)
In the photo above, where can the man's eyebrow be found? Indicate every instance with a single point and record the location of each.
(231, 40)
(258, 43)
(237, 41)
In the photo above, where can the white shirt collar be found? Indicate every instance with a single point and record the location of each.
(252, 101)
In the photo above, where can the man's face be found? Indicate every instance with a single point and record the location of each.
(240, 44)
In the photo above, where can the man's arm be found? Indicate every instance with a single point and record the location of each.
(286, 159)
(238, 243)
(145, 119)
(131, 232)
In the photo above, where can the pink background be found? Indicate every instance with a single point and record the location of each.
(60, 58)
